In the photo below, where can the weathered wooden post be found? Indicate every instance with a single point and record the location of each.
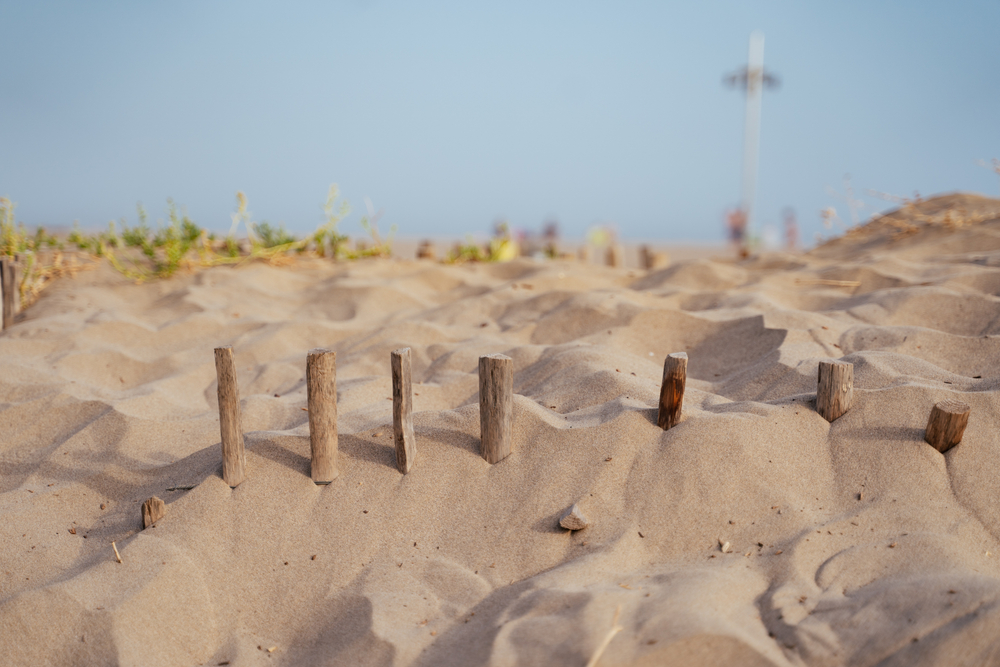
(321, 390)
(652, 259)
(835, 389)
(233, 453)
(946, 425)
(426, 250)
(402, 410)
(20, 267)
(615, 256)
(646, 257)
(672, 390)
(8, 278)
(496, 406)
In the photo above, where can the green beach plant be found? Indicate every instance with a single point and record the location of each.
(328, 241)
(500, 248)
(470, 251)
(379, 247)
(270, 237)
(18, 244)
(142, 253)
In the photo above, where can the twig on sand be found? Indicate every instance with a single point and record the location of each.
(180, 488)
(615, 629)
(118, 556)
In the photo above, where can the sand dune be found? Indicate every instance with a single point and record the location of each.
(853, 543)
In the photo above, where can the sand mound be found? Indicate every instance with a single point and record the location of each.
(923, 229)
(852, 543)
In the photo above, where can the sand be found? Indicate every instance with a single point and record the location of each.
(852, 543)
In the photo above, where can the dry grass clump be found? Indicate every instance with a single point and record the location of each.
(915, 215)
(40, 256)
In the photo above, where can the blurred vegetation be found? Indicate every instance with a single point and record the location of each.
(500, 248)
(142, 252)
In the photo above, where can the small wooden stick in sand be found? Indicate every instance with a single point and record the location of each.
(946, 425)
(834, 389)
(321, 387)
(496, 406)
(233, 453)
(8, 278)
(615, 257)
(672, 390)
(402, 410)
(646, 257)
(615, 629)
(118, 556)
(426, 250)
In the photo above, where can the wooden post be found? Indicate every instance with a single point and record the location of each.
(652, 259)
(402, 410)
(946, 425)
(234, 459)
(496, 406)
(835, 389)
(584, 253)
(646, 257)
(8, 278)
(615, 256)
(426, 250)
(672, 390)
(19, 269)
(321, 389)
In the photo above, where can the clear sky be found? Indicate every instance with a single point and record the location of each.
(450, 115)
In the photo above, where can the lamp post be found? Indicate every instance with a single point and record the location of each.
(752, 79)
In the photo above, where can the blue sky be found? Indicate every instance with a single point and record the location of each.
(450, 115)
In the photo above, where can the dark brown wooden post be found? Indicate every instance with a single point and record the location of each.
(8, 278)
(321, 389)
(653, 259)
(402, 410)
(230, 423)
(496, 406)
(426, 250)
(946, 425)
(672, 390)
(835, 389)
(20, 268)
(615, 256)
(646, 257)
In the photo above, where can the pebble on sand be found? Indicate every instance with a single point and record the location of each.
(573, 519)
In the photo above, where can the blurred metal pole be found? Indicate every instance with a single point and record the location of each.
(751, 128)
(753, 79)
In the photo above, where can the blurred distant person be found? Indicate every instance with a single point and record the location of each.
(791, 230)
(770, 239)
(736, 222)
